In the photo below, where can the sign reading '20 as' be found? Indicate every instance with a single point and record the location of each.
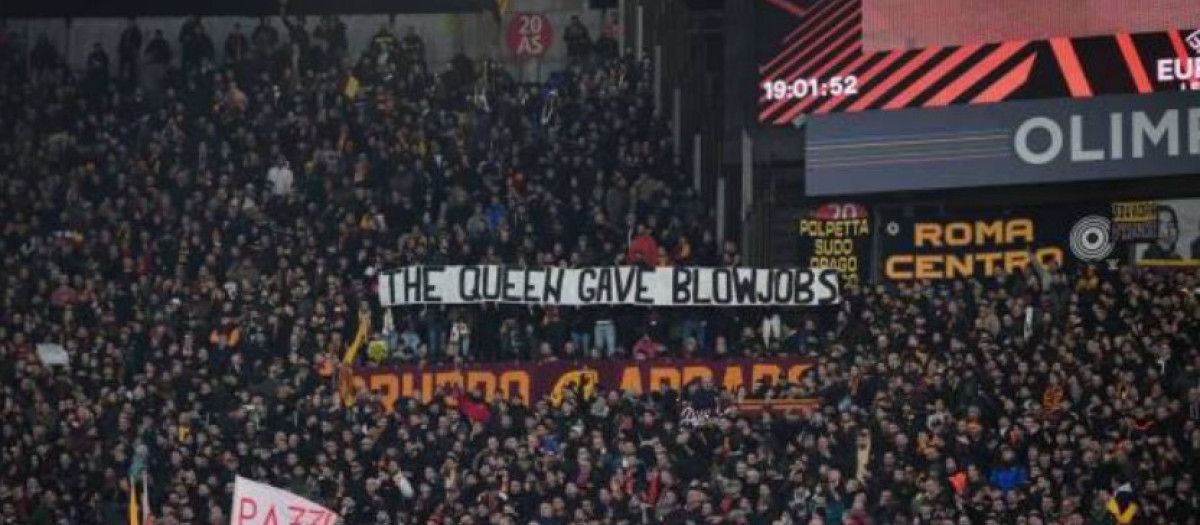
(529, 35)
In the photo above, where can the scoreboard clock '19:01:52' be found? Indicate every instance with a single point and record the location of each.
(803, 88)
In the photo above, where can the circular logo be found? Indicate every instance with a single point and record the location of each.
(893, 229)
(1090, 239)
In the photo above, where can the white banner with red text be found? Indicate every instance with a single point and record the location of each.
(257, 503)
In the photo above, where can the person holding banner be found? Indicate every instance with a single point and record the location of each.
(605, 333)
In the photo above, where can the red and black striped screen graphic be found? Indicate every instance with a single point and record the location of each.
(815, 57)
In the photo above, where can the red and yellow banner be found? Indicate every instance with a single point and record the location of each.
(538, 380)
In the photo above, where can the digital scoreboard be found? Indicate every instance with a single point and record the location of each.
(832, 56)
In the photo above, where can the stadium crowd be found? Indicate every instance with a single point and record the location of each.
(201, 238)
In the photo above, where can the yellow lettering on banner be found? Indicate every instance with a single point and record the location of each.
(927, 234)
(733, 378)
(927, 267)
(1144, 211)
(389, 385)
(953, 266)
(989, 232)
(1050, 254)
(977, 233)
(846, 265)
(1015, 260)
(893, 267)
(959, 266)
(834, 228)
(1019, 229)
(691, 373)
(631, 380)
(958, 234)
(486, 381)
(392, 386)
(834, 247)
(586, 378)
(990, 261)
(808, 228)
(406, 384)
(442, 379)
(796, 373)
(659, 374)
(759, 371)
(518, 379)
(426, 386)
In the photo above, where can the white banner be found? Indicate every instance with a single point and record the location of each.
(255, 503)
(623, 285)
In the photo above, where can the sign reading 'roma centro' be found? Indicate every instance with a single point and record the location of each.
(535, 381)
(951, 249)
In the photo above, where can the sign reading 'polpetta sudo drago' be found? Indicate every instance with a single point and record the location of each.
(615, 285)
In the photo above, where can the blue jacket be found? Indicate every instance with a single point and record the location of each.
(1008, 478)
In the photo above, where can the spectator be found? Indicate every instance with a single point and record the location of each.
(607, 48)
(202, 49)
(330, 35)
(280, 176)
(128, 53)
(643, 249)
(97, 68)
(158, 51)
(298, 42)
(604, 333)
(189, 43)
(578, 41)
(382, 53)
(44, 59)
(237, 48)
(238, 102)
(460, 337)
(265, 39)
(413, 49)
(645, 348)
(226, 336)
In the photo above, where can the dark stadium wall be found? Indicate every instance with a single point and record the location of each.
(473, 33)
(740, 74)
(737, 87)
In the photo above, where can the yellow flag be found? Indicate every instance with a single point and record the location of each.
(364, 327)
(135, 515)
(502, 6)
(345, 385)
(345, 377)
(351, 89)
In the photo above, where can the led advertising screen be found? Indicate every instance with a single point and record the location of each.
(831, 56)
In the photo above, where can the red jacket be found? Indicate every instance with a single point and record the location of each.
(646, 348)
(474, 410)
(643, 249)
